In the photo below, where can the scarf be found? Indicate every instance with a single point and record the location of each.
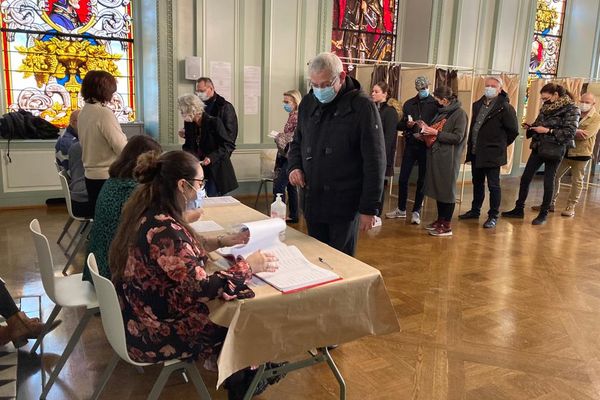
(560, 103)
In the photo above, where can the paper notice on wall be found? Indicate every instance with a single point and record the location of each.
(251, 81)
(220, 73)
(250, 105)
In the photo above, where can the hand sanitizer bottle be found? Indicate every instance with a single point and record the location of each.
(278, 208)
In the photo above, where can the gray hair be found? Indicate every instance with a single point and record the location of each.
(326, 62)
(496, 78)
(190, 104)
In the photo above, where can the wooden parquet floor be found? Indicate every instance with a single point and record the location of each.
(510, 313)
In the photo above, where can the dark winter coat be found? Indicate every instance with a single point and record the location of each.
(210, 139)
(500, 128)
(218, 107)
(340, 148)
(419, 109)
(389, 122)
(562, 118)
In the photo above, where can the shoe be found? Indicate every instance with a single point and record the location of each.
(540, 219)
(443, 229)
(490, 223)
(434, 225)
(416, 218)
(21, 328)
(238, 383)
(469, 215)
(397, 213)
(514, 213)
(569, 211)
(377, 223)
(538, 208)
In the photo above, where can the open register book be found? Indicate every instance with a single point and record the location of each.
(295, 272)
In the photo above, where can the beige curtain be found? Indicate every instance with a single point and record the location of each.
(407, 81)
(511, 87)
(363, 76)
(573, 85)
(594, 88)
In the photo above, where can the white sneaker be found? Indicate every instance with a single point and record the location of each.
(416, 218)
(377, 222)
(397, 213)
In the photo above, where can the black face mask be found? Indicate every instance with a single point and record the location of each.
(548, 102)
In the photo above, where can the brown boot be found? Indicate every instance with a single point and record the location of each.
(22, 327)
(4, 335)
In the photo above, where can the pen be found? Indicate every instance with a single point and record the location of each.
(325, 262)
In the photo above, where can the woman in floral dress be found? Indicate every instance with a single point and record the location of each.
(158, 266)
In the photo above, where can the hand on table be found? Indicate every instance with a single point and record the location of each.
(263, 261)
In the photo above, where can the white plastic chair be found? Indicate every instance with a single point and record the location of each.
(85, 224)
(69, 222)
(114, 328)
(267, 174)
(64, 291)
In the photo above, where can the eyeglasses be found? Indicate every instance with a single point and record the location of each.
(324, 85)
(202, 182)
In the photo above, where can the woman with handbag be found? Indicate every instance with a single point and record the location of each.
(551, 132)
(445, 140)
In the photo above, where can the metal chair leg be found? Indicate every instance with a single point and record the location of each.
(162, 380)
(254, 383)
(47, 324)
(67, 352)
(65, 229)
(258, 193)
(196, 379)
(74, 238)
(106, 376)
(82, 240)
(336, 373)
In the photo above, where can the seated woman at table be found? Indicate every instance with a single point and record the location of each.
(158, 267)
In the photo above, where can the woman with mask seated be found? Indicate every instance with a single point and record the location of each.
(158, 268)
(206, 138)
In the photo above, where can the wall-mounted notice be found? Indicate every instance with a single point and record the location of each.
(220, 73)
(252, 89)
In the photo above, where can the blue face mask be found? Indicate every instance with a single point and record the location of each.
(198, 201)
(324, 95)
(490, 92)
(288, 107)
(423, 93)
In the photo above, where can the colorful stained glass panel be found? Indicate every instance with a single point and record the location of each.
(545, 47)
(49, 45)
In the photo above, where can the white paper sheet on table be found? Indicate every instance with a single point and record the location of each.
(206, 226)
(264, 234)
(219, 201)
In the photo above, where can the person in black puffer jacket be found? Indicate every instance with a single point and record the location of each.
(555, 125)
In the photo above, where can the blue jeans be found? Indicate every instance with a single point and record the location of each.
(412, 154)
(281, 183)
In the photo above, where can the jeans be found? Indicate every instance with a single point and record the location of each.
(412, 154)
(445, 211)
(577, 175)
(340, 235)
(493, 180)
(281, 183)
(534, 162)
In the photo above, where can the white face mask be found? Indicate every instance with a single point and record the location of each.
(585, 107)
(198, 200)
(202, 95)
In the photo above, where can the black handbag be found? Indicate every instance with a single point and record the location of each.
(549, 149)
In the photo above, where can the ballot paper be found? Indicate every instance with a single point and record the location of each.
(295, 272)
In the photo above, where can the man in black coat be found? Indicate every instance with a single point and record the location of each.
(217, 106)
(494, 127)
(337, 156)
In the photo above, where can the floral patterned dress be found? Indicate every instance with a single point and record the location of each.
(164, 290)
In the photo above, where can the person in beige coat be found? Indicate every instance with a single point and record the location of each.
(100, 134)
(577, 158)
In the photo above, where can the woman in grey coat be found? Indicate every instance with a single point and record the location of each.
(444, 157)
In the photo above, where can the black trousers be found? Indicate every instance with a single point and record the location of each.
(412, 154)
(93, 187)
(534, 162)
(341, 235)
(445, 211)
(493, 181)
(82, 210)
(8, 308)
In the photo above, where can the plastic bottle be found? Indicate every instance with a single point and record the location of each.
(278, 208)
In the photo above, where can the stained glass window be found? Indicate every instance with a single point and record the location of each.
(545, 47)
(49, 45)
(364, 30)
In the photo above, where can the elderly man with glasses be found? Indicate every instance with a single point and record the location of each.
(337, 156)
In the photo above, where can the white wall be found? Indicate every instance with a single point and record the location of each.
(579, 47)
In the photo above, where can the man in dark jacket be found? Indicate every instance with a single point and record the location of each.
(494, 127)
(337, 156)
(217, 106)
(422, 107)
